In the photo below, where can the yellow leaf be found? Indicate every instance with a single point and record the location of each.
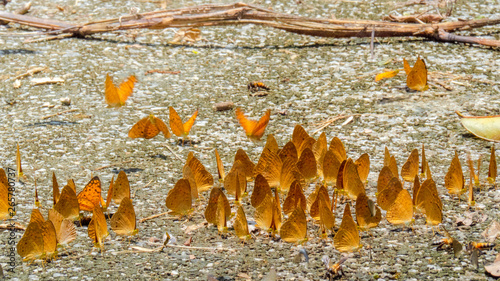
(485, 127)
(386, 75)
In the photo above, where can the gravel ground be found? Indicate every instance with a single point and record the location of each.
(311, 79)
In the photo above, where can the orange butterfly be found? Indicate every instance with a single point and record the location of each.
(178, 128)
(116, 96)
(416, 78)
(149, 127)
(254, 129)
(90, 196)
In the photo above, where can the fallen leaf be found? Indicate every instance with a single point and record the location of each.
(188, 242)
(494, 268)
(192, 228)
(192, 257)
(491, 233)
(386, 75)
(485, 127)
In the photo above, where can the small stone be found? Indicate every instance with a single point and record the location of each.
(65, 101)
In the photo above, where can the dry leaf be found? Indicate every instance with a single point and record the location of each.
(386, 75)
(492, 232)
(244, 275)
(485, 127)
(494, 268)
(188, 241)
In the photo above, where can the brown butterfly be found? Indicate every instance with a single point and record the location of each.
(427, 201)
(363, 167)
(261, 190)
(347, 238)
(295, 198)
(235, 182)
(247, 165)
(149, 127)
(268, 214)
(416, 77)
(179, 198)
(198, 175)
(277, 173)
(353, 185)
(212, 206)
(253, 129)
(121, 188)
(123, 222)
(90, 196)
(116, 96)
(331, 166)
(307, 165)
(30, 247)
(401, 210)
(178, 128)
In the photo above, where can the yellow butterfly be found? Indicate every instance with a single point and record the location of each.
(196, 173)
(307, 164)
(295, 199)
(179, 198)
(347, 238)
(216, 194)
(427, 200)
(90, 196)
(454, 179)
(149, 127)
(30, 247)
(492, 170)
(220, 167)
(65, 228)
(401, 210)
(416, 77)
(294, 230)
(98, 228)
(247, 164)
(410, 167)
(123, 222)
(241, 225)
(261, 190)
(253, 129)
(5, 213)
(368, 215)
(68, 205)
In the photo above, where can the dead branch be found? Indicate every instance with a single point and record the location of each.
(241, 13)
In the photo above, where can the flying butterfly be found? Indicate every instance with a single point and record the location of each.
(454, 179)
(253, 129)
(416, 77)
(149, 127)
(178, 128)
(347, 237)
(123, 222)
(116, 96)
(179, 198)
(90, 196)
(294, 230)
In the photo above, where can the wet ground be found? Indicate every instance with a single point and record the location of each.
(311, 79)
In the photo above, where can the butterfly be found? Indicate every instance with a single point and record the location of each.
(326, 216)
(216, 194)
(386, 197)
(347, 237)
(401, 210)
(294, 230)
(307, 165)
(116, 96)
(319, 149)
(179, 198)
(261, 190)
(197, 175)
(123, 221)
(454, 179)
(55, 189)
(279, 173)
(98, 228)
(492, 170)
(352, 183)
(20, 173)
(65, 228)
(363, 166)
(331, 166)
(178, 128)
(416, 77)
(223, 213)
(410, 167)
(30, 247)
(90, 196)
(68, 205)
(390, 161)
(268, 213)
(427, 200)
(235, 182)
(241, 225)
(271, 143)
(48, 232)
(294, 199)
(425, 165)
(121, 188)
(247, 164)
(301, 139)
(220, 167)
(149, 127)
(319, 194)
(5, 213)
(368, 215)
(253, 129)
(384, 177)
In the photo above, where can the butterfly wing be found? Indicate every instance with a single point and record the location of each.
(176, 123)
(417, 78)
(111, 92)
(121, 188)
(68, 204)
(247, 124)
(90, 196)
(260, 127)
(123, 222)
(162, 127)
(126, 88)
(189, 123)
